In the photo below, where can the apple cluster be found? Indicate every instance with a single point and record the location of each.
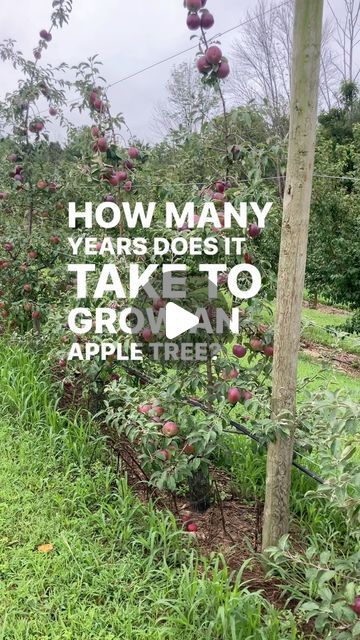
(195, 21)
(211, 61)
(115, 178)
(45, 37)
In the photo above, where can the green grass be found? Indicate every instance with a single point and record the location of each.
(119, 569)
(314, 328)
(326, 376)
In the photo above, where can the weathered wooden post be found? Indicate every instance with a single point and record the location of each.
(294, 238)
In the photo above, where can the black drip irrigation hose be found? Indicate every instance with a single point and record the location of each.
(239, 428)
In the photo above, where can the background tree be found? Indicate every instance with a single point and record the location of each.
(262, 66)
(347, 37)
(189, 103)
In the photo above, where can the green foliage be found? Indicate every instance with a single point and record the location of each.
(324, 584)
(352, 325)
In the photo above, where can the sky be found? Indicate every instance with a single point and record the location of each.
(128, 36)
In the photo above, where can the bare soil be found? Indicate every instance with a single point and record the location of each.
(327, 309)
(347, 362)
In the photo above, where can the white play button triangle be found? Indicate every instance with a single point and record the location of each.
(178, 320)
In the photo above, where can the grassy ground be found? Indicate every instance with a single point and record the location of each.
(118, 569)
(324, 328)
(313, 376)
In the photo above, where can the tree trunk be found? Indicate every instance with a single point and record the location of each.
(294, 236)
(199, 490)
(313, 301)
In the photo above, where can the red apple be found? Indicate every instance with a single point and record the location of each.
(54, 239)
(246, 395)
(356, 606)
(185, 516)
(202, 64)
(219, 196)
(207, 20)
(95, 131)
(157, 410)
(8, 246)
(43, 34)
(233, 395)
(268, 351)
(159, 304)
(193, 21)
(53, 111)
(223, 70)
(122, 176)
(128, 186)
(222, 278)
(193, 5)
(248, 258)
(256, 344)
(164, 454)
(170, 429)
(36, 314)
(93, 95)
(113, 180)
(62, 363)
(213, 54)
(254, 230)
(220, 186)
(144, 408)
(102, 145)
(27, 288)
(147, 334)
(98, 105)
(133, 153)
(192, 527)
(41, 184)
(239, 350)
(189, 449)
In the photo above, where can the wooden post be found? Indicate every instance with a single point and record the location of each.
(292, 262)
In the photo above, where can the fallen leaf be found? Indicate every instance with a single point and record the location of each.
(45, 548)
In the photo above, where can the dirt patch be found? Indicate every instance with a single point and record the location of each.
(349, 363)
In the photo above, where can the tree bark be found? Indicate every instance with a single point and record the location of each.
(294, 237)
(200, 490)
